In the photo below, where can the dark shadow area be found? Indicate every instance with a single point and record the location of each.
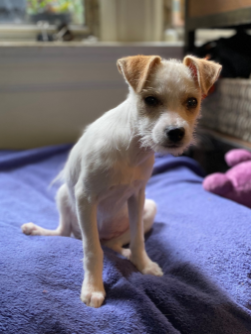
(209, 153)
(190, 302)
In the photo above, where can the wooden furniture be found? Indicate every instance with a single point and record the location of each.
(201, 14)
(215, 14)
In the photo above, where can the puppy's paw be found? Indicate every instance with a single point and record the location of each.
(92, 296)
(145, 265)
(29, 229)
(126, 252)
(152, 268)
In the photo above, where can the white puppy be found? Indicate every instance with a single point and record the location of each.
(102, 199)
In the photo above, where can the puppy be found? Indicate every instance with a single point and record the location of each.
(102, 198)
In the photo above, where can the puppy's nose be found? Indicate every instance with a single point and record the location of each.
(175, 134)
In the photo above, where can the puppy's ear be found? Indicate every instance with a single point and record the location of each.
(204, 72)
(136, 69)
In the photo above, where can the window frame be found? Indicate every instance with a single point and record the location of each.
(17, 32)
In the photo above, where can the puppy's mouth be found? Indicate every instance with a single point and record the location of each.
(174, 148)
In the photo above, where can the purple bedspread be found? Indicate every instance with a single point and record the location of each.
(202, 242)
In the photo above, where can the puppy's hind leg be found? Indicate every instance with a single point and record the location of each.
(117, 243)
(65, 214)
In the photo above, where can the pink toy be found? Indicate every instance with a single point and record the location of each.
(235, 184)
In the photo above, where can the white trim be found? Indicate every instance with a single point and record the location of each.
(19, 28)
(28, 32)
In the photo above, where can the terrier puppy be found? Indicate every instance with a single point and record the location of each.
(102, 199)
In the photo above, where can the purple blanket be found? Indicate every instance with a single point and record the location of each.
(202, 242)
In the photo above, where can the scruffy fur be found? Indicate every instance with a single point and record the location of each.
(102, 198)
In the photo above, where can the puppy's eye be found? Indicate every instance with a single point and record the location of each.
(151, 101)
(191, 103)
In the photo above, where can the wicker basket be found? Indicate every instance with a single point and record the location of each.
(228, 109)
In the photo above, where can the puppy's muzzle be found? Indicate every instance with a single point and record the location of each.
(174, 135)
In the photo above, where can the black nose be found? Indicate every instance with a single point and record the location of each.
(175, 134)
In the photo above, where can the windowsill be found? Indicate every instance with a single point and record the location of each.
(24, 35)
(88, 44)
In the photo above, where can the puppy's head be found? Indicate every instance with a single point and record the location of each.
(168, 96)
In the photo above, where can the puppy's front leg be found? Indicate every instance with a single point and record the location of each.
(139, 256)
(93, 292)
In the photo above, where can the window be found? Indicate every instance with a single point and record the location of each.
(42, 20)
(91, 20)
(51, 11)
(56, 10)
(12, 11)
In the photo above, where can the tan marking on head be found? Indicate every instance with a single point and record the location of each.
(204, 72)
(137, 69)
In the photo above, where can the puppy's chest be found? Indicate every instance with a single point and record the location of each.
(124, 182)
(119, 191)
(124, 174)
(112, 202)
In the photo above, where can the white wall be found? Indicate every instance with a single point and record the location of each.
(49, 93)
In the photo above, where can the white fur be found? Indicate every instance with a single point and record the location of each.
(104, 179)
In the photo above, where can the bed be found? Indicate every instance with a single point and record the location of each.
(202, 242)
